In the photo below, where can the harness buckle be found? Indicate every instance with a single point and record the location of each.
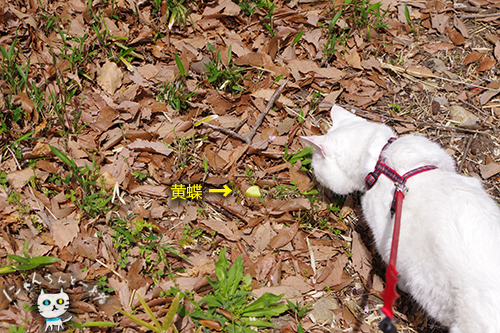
(401, 187)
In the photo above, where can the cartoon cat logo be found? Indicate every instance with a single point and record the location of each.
(52, 307)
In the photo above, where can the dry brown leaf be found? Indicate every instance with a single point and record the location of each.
(227, 229)
(151, 147)
(489, 170)
(298, 283)
(299, 176)
(27, 105)
(135, 279)
(121, 289)
(353, 59)
(278, 207)
(439, 22)
(267, 93)
(61, 206)
(420, 71)
(290, 292)
(436, 47)
(64, 231)
(460, 25)
(211, 324)
(111, 77)
(151, 190)
(284, 236)
(472, 57)
(306, 66)
(333, 274)
(18, 179)
(497, 50)
(225, 7)
(486, 64)
(456, 37)
(361, 257)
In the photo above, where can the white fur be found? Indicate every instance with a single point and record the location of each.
(449, 252)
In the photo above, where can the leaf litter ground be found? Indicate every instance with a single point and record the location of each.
(103, 124)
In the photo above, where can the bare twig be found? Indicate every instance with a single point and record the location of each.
(226, 131)
(464, 156)
(259, 121)
(264, 113)
(475, 16)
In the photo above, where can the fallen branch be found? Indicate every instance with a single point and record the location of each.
(257, 124)
(467, 147)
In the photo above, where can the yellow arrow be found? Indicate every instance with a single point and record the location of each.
(226, 190)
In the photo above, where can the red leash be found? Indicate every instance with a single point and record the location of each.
(391, 275)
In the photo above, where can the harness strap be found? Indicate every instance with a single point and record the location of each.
(389, 294)
(382, 168)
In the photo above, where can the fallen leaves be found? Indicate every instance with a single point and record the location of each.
(111, 77)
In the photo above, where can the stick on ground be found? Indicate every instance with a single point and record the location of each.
(259, 121)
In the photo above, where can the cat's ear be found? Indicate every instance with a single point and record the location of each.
(316, 141)
(62, 291)
(42, 292)
(339, 114)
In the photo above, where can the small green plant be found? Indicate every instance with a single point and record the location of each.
(175, 11)
(231, 293)
(27, 262)
(407, 16)
(101, 284)
(357, 14)
(304, 156)
(247, 6)
(395, 108)
(141, 233)
(93, 201)
(156, 326)
(175, 93)
(226, 78)
(16, 329)
(139, 176)
(283, 192)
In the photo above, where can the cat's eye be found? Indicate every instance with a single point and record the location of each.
(60, 301)
(46, 302)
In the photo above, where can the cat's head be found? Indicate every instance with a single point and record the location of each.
(348, 152)
(53, 305)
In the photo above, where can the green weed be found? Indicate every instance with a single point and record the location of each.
(175, 93)
(91, 200)
(142, 234)
(225, 78)
(156, 326)
(27, 262)
(304, 156)
(231, 293)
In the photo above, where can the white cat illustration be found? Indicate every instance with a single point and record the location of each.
(52, 307)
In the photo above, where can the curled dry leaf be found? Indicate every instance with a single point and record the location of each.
(472, 57)
(64, 231)
(151, 147)
(284, 236)
(278, 207)
(111, 77)
(486, 64)
(489, 170)
(27, 105)
(436, 47)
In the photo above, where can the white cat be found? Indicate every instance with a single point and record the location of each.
(52, 307)
(449, 246)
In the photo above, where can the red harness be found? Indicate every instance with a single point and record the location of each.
(391, 276)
